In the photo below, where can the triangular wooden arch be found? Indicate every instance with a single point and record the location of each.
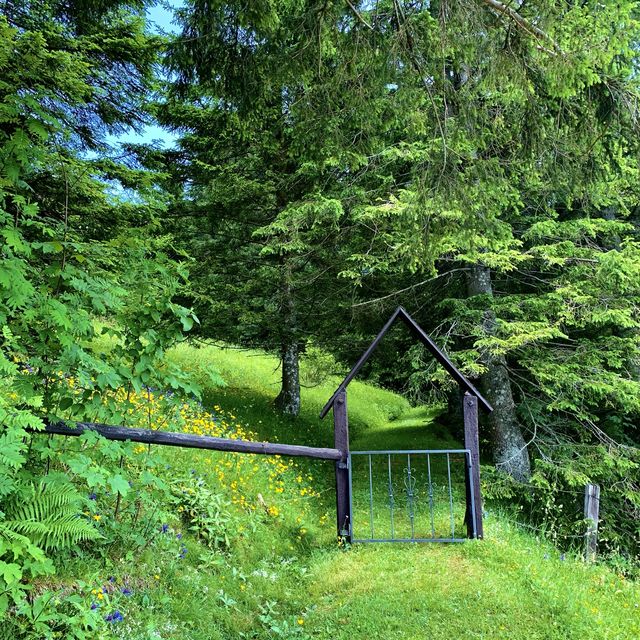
(420, 334)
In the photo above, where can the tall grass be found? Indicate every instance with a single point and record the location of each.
(284, 575)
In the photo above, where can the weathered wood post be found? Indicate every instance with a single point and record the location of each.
(472, 442)
(591, 515)
(341, 439)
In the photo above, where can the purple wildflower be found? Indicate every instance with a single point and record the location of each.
(126, 592)
(93, 496)
(114, 617)
(164, 528)
(94, 606)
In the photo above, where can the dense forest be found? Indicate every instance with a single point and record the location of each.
(474, 161)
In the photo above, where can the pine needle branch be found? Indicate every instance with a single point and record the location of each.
(524, 24)
(359, 15)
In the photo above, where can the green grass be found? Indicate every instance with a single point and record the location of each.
(253, 382)
(284, 578)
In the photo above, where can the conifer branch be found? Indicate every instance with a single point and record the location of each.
(413, 286)
(524, 24)
(359, 15)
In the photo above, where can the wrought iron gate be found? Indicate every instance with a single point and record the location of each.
(411, 496)
(472, 399)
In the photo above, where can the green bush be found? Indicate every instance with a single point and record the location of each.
(204, 512)
(553, 501)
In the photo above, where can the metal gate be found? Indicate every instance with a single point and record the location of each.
(411, 496)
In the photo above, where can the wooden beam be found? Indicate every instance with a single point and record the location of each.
(341, 438)
(419, 333)
(471, 442)
(192, 441)
(363, 358)
(443, 359)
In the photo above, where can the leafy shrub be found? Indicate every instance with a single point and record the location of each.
(52, 286)
(51, 615)
(553, 501)
(203, 511)
(316, 365)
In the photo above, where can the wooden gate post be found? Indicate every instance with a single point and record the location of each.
(471, 442)
(341, 439)
(591, 515)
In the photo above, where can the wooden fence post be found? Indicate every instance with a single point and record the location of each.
(591, 515)
(471, 442)
(341, 439)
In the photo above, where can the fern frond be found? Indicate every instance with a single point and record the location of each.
(12, 536)
(67, 531)
(28, 528)
(48, 515)
(41, 501)
(7, 483)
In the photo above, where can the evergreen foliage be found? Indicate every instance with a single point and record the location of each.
(475, 161)
(482, 165)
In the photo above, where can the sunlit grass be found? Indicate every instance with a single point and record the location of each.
(285, 576)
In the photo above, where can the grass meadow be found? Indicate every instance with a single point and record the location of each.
(281, 573)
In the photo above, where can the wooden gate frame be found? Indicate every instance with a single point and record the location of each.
(471, 398)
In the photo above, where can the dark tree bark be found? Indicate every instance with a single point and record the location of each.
(288, 400)
(509, 447)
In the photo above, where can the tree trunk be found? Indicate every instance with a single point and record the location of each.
(509, 447)
(288, 400)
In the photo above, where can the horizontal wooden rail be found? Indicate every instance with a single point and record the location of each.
(192, 441)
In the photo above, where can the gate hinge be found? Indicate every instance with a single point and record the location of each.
(342, 465)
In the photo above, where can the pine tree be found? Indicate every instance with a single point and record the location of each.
(520, 177)
(269, 175)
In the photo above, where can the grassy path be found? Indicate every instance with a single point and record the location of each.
(282, 581)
